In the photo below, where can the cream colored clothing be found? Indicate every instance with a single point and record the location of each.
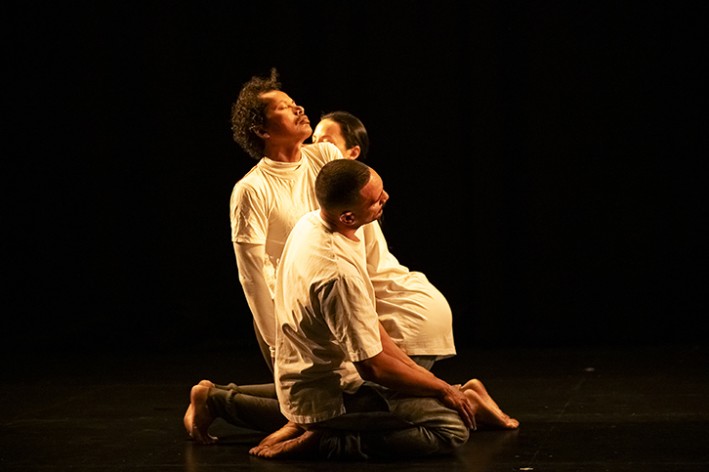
(265, 205)
(325, 319)
(412, 310)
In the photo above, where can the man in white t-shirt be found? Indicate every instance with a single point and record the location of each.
(345, 388)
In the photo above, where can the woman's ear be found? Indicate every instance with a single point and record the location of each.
(353, 152)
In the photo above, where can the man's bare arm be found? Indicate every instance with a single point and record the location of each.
(389, 369)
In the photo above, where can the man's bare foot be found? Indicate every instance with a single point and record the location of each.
(206, 383)
(289, 431)
(487, 415)
(303, 445)
(488, 412)
(197, 418)
(478, 387)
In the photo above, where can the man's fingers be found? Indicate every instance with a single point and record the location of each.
(472, 419)
(469, 414)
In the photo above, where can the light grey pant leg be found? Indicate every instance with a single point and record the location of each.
(436, 429)
(250, 406)
(408, 427)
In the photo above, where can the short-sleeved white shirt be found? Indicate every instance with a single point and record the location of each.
(325, 319)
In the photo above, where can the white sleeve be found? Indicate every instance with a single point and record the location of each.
(382, 265)
(251, 261)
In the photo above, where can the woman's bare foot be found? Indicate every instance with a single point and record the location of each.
(197, 417)
(488, 412)
(206, 383)
(304, 444)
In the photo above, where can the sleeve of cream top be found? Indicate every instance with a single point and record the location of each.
(250, 263)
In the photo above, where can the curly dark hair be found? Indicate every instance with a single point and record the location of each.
(247, 113)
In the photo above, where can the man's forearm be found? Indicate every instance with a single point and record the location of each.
(389, 370)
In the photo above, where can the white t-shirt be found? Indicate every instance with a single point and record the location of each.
(325, 320)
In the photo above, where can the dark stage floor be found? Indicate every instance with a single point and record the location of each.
(581, 409)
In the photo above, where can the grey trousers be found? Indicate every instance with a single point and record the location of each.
(378, 423)
(383, 424)
(248, 406)
(256, 406)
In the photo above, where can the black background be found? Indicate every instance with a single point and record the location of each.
(543, 161)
